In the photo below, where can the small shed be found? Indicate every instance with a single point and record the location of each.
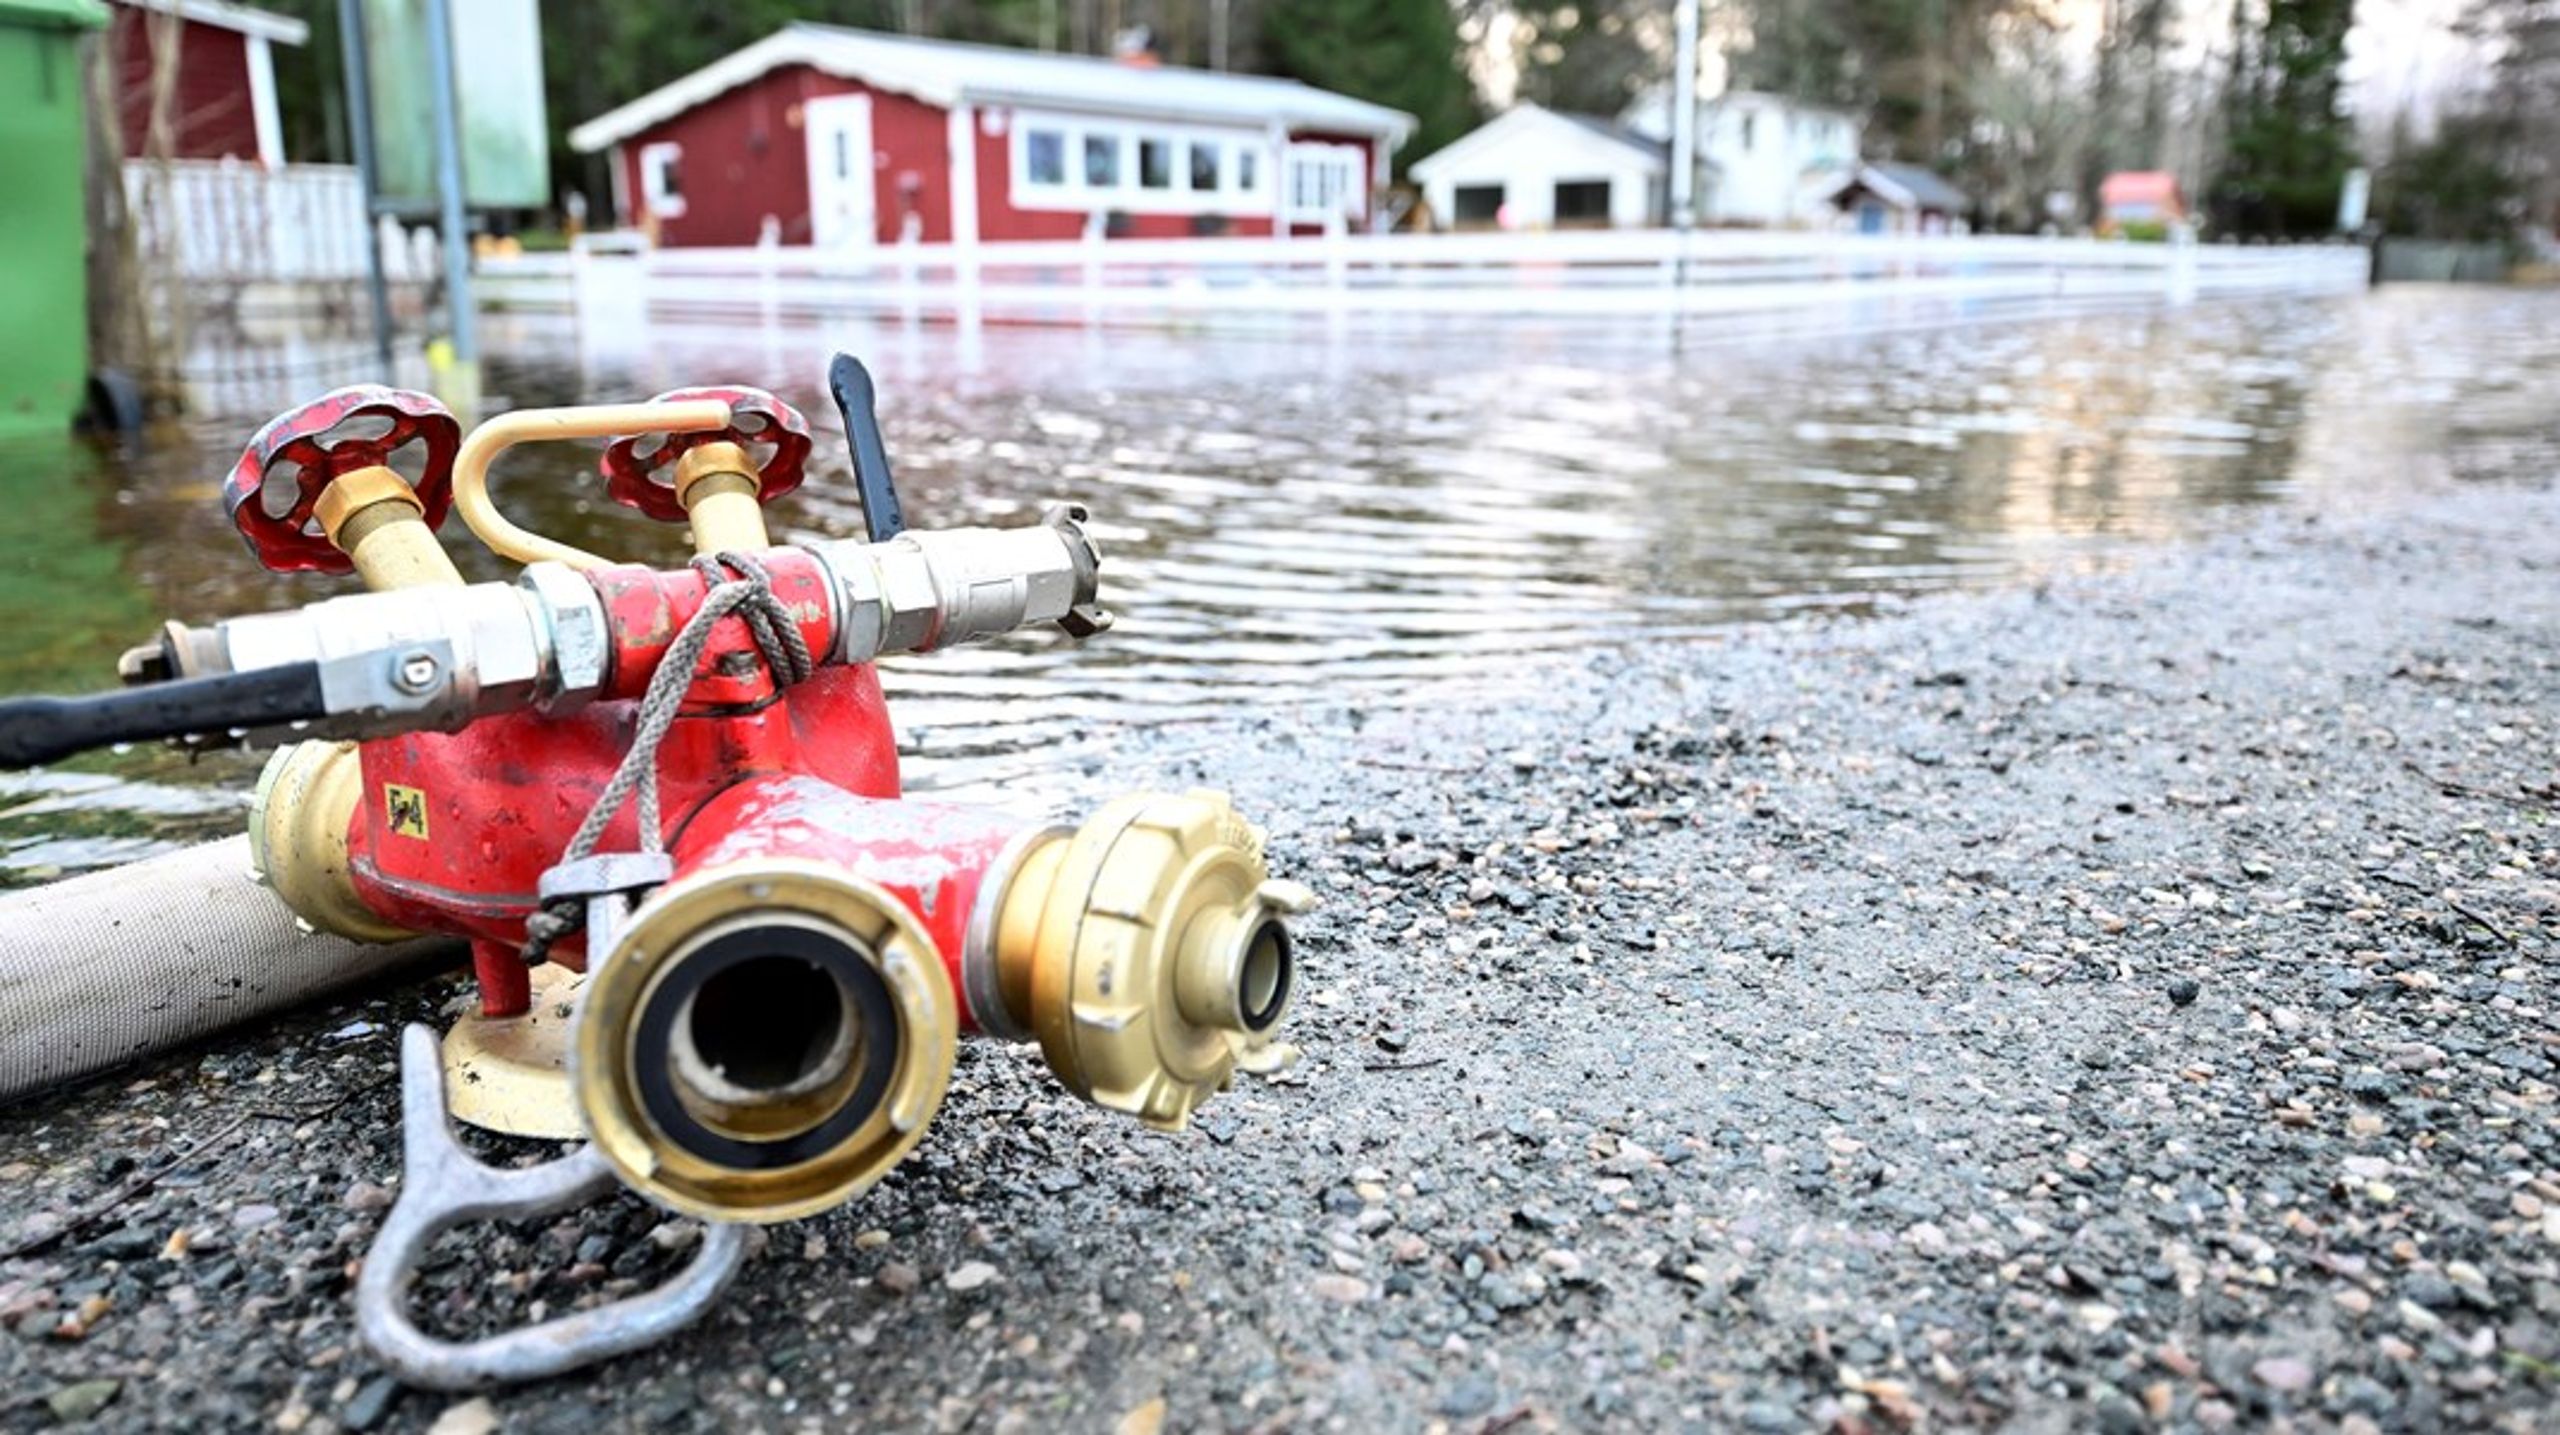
(1884, 197)
(827, 136)
(1535, 168)
(2140, 201)
(223, 103)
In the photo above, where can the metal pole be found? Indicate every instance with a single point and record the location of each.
(457, 246)
(1684, 159)
(1684, 118)
(1218, 35)
(359, 91)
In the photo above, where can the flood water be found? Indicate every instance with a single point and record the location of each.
(1295, 520)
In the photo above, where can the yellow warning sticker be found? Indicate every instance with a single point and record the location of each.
(406, 808)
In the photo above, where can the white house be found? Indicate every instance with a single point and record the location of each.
(1761, 156)
(1536, 168)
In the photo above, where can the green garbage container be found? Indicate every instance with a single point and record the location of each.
(44, 317)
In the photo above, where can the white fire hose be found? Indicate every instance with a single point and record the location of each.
(113, 966)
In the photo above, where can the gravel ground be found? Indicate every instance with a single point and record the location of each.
(2122, 1003)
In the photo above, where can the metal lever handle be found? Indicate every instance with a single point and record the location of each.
(442, 1187)
(857, 400)
(40, 730)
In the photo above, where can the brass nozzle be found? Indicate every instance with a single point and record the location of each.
(764, 1041)
(1146, 951)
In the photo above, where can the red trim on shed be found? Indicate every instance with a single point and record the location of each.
(744, 155)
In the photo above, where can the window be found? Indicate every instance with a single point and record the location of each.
(1044, 156)
(1101, 161)
(1475, 204)
(1323, 180)
(660, 189)
(1750, 127)
(1582, 202)
(1084, 163)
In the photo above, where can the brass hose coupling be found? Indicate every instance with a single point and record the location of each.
(1145, 952)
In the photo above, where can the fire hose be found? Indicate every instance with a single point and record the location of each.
(160, 952)
(710, 935)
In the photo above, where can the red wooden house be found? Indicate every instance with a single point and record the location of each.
(221, 57)
(837, 137)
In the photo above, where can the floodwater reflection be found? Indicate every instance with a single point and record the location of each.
(1289, 522)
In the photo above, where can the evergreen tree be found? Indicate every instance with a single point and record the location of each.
(1400, 53)
(1805, 51)
(2524, 36)
(2289, 142)
(2458, 185)
(1585, 56)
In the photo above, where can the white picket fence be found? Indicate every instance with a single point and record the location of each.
(1622, 274)
(223, 225)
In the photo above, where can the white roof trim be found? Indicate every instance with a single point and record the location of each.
(1459, 150)
(266, 25)
(947, 74)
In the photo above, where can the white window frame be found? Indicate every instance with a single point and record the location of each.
(1231, 197)
(1335, 171)
(655, 160)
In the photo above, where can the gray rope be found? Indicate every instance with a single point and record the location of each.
(777, 638)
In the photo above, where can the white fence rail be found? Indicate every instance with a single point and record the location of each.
(1564, 275)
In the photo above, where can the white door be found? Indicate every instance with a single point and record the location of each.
(838, 129)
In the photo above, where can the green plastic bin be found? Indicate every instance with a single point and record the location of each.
(44, 316)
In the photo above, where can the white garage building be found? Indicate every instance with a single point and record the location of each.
(1536, 168)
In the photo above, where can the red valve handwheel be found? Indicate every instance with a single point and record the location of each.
(755, 417)
(300, 437)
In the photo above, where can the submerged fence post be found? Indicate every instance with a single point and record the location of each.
(1092, 266)
(768, 259)
(2182, 265)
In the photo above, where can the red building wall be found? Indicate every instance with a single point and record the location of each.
(210, 113)
(745, 156)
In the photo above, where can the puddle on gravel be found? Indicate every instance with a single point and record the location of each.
(1294, 519)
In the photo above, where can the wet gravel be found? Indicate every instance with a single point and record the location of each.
(2116, 1004)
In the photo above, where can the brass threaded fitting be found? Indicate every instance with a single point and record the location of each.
(722, 499)
(1146, 951)
(376, 519)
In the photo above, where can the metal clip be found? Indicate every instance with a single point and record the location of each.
(610, 883)
(444, 1186)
